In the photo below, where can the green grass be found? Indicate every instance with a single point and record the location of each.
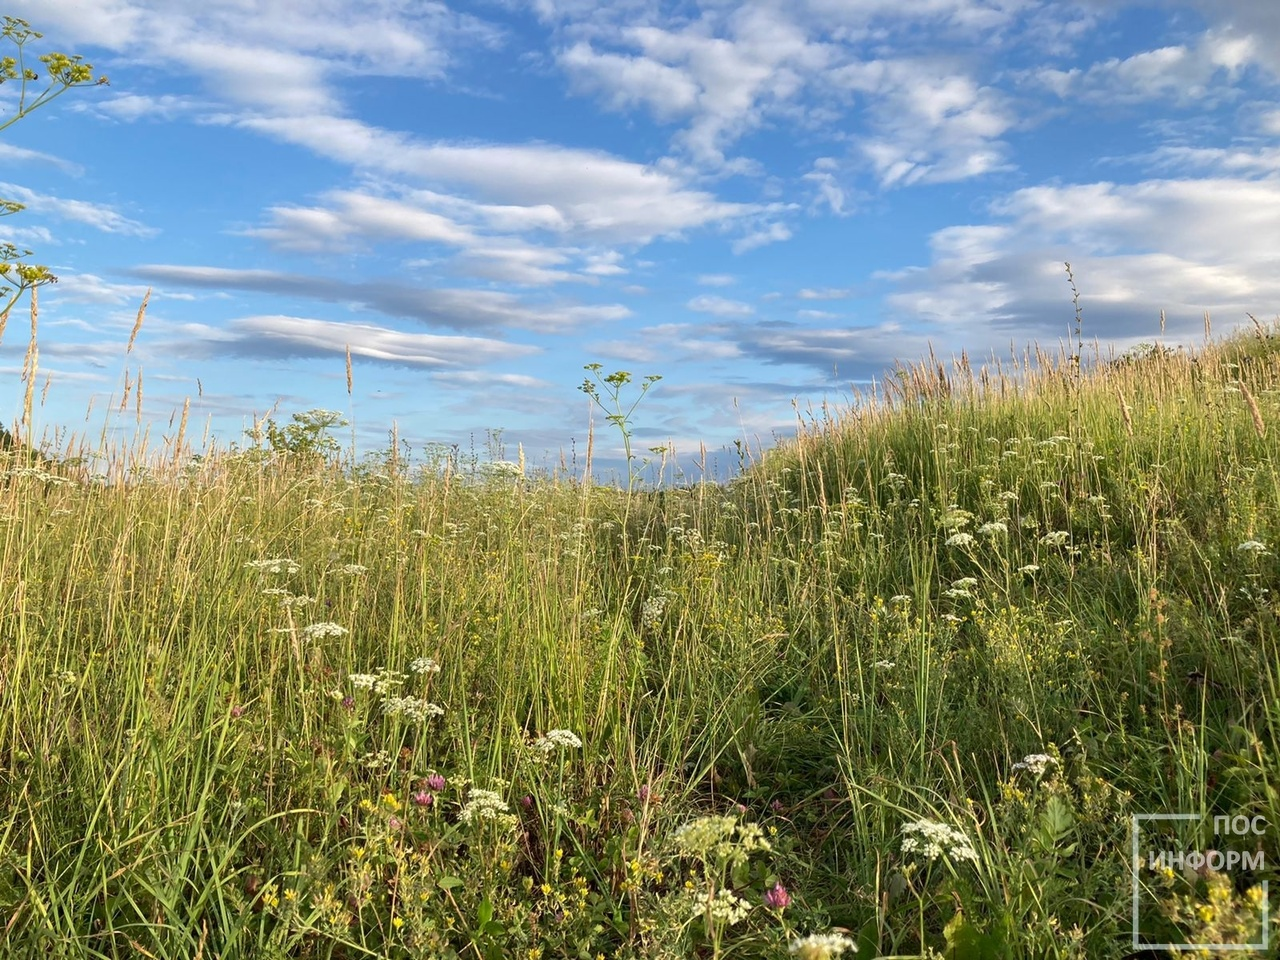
(871, 627)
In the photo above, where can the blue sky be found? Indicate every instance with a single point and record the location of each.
(765, 203)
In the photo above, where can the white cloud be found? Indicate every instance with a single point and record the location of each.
(825, 293)
(458, 308)
(931, 122)
(770, 233)
(283, 336)
(1184, 246)
(1183, 74)
(586, 194)
(717, 279)
(97, 215)
(720, 306)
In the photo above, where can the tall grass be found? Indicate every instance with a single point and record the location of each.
(223, 732)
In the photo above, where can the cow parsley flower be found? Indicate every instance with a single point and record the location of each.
(353, 569)
(932, 840)
(275, 565)
(420, 665)
(821, 946)
(322, 631)
(1036, 764)
(994, 528)
(1255, 547)
(415, 709)
(487, 806)
(961, 540)
(555, 740)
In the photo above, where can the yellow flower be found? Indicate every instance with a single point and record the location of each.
(397, 922)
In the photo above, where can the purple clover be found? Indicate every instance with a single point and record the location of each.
(348, 703)
(395, 823)
(527, 801)
(777, 898)
(422, 799)
(436, 782)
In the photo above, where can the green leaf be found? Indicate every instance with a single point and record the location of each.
(967, 942)
(449, 883)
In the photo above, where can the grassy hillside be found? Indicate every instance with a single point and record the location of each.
(902, 685)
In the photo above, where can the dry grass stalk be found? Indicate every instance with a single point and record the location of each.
(139, 407)
(349, 380)
(137, 324)
(1125, 413)
(1259, 427)
(29, 366)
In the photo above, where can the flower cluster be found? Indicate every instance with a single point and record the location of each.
(487, 805)
(275, 565)
(555, 740)
(414, 708)
(1036, 763)
(821, 946)
(420, 665)
(932, 840)
(720, 838)
(725, 907)
(321, 631)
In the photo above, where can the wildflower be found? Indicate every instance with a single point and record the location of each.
(1036, 763)
(725, 907)
(1255, 547)
(353, 569)
(777, 897)
(527, 801)
(884, 664)
(557, 740)
(961, 540)
(821, 946)
(348, 703)
(237, 713)
(277, 565)
(435, 782)
(420, 665)
(1030, 568)
(994, 528)
(651, 612)
(415, 709)
(486, 805)
(321, 631)
(1056, 538)
(934, 840)
(422, 799)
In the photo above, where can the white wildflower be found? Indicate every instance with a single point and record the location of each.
(1255, 547)
(275, 565)
(1030, 568)
(419, 665)
(1056, 538)
(487, 805)
(725, 907)
(932, 840)
(994, 528)
(961, 540)
(884, 664)
(417, 710)
(353, 569)
(821, 946)
(1036, 764)
(323, 630)
(557, 740)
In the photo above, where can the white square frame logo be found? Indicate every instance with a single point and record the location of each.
(1138, 943)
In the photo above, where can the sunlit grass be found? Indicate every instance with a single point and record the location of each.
(267, 705)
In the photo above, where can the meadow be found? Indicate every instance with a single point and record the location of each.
(897, 689)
